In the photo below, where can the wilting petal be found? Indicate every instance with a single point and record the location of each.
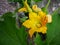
(35, 8)
(22, 10)
(49, 18)
(31, 32)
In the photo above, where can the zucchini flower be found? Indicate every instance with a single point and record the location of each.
(37, 20)
(36, 23)
(35, 8)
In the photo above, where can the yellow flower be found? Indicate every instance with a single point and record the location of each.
(49, 18)
(35, 8)
(35, 23)
(22, 10)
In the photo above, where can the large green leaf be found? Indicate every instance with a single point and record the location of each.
(9, 34)
(53, 32)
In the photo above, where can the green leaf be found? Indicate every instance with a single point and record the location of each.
(9, 34)
(23, 19)
(45, 10)
(53, 32)
(38, 40)
(37, 0)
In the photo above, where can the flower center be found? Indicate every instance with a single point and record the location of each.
(38, 25)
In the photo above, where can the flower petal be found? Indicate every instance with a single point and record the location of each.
(49, 18)
(31, 32)
(42, 29)
(32, 16)
(35, 8)
(44, 20)
(22, 10)
(27, 23)
(41, 13)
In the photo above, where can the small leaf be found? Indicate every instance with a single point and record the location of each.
(23, 19)
(45, 10)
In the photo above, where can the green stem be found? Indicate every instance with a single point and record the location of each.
(27, 6)
(47, 4)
